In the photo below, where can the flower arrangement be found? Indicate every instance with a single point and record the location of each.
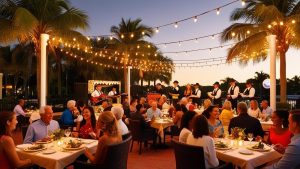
(57, 134)
(238, 133)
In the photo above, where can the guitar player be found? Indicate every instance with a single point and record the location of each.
(97, 95)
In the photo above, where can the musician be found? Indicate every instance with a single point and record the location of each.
(215, 95)
(249, 92)
(196, 94)
(233, 93)
(97, 95)
(113, 94)
(175, 93)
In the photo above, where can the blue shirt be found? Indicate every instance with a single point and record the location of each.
(39, 130)
(212, 128)
(291, 157)
(67, 118)
(153, 113)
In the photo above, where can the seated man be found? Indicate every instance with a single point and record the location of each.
(244, 121)
(20, 113)
(41, 128)
(118, 113)
(70, 115)
(153, 111)
(291, 156)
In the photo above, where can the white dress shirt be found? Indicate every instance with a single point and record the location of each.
(218, 95)
(251, 92)
(235, 92)
(112, 93)
(96, 93)
(19, 110)
(198, 93)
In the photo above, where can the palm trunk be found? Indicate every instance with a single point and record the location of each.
(282, 77)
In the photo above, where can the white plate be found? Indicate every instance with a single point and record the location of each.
(29, 150)
(78, 148)
(42, 142)
(88, 141)
(22, 146)
(227, 148)
(245, 151)
(266, 148)
(49, 151)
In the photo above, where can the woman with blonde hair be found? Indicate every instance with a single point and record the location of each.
(107, 123)
(253, 109)
(226, 114)
(206, 103)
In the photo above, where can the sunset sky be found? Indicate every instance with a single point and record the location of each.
(105, 13)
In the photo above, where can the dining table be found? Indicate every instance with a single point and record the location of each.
(242, 154)
(55, 156)
(160, 124)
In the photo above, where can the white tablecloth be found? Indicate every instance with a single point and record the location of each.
(247, 161)
(57, 160)
(266, 125)
(161, 124)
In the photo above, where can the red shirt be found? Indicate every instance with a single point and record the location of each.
(84, 131)
(283, 139)
(4, 163)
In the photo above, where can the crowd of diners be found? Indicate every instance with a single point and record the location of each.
(196, 126)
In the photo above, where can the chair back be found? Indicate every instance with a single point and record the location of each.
(135, 129)
(188, 156)
(117, 155)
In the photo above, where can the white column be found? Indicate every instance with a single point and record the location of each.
(128, 82)
(1, 77)
(43, 82)
(272, 53)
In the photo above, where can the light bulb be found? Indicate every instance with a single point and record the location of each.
(293, 21)
(248, 32)
(111, 38)
(157, 30)
(269, 26)
(243, 3)
(195, 19)
(98, 38)
(218, 11)
(233, 34)
(143, 33)
(132, 35)
(179, 44)
(176, 25)
(281, 23)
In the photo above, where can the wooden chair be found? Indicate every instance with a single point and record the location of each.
(138, 134)
(125, 136)
(192, 157)
(116, 157)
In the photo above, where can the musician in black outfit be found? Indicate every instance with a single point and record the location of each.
(158, 89)
(249, 92)
(215, 95)
(233, 93)
(175, 93)
(196, 94)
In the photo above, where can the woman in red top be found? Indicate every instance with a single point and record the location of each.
(87, 127)
(279, 132)
(9, 158)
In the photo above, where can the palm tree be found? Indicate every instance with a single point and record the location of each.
(263, 18)
(128, 35)
(24, 21)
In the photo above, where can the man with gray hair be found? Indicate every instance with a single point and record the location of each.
(40, 129)
(119, 112)
(71, 114)
(153, 111)
(244, 121)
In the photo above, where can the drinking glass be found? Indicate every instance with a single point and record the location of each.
(68, 132)
(250, 137)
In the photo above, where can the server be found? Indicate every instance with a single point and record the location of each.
(196, 94)
(249, 92)
(175, 92)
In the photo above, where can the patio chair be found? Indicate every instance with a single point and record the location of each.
(192, 157)
(116, 157)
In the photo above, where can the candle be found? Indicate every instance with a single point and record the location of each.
(241, 143)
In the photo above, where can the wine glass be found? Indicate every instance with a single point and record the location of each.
(68, 132)
(250, 137)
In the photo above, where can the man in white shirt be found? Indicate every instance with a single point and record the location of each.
(233, 93)
(97, 92)
(249, 92)
(19, 108)
(153, 111)
(266, 110)
(215, 95)
(113, 94)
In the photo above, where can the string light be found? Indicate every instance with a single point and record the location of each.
(122, 36)
(248, 32)
(293, 21)
(176, 25)
(157, 30)
(243, 3)
(218, 11)
(195, 19)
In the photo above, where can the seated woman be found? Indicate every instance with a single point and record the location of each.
(186, 126)
(226, 114)
(8, 155)
(200, 137)
(279, 132)
(215, 126)
(177, 115)
(87, 127)
(107, 123)
(253, 110)
(118, 113)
